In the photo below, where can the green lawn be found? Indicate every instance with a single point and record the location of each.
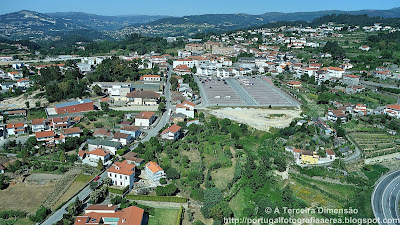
(164, 217)
(36, 114)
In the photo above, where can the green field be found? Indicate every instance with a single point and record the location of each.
(164, 217)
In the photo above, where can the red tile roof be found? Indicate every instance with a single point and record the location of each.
(395, 107)
(14, 125)
(99, 152)
(43, 134)
(174, 128)
(38, 121)
(154, 167)
(72, 130)
(122, 168)
(144, 115)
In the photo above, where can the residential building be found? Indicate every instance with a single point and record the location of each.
(186, 108)
(59, 123)
(154, 172)
(92, 157)
(330, 154)
(122, 174)
(134, 131)
(145, 119)
(111, 146)
(171, 133)
(392, 110)
(46, 136)
(151, 78)
(24, 83)
(109, 215)
(131, 157)
(123, 138)
(38, 125)
(143, 97)
(294, 84)
(350, 80)
(15, 128)
(72, 132)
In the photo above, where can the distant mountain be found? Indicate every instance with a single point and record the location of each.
(242, 19)
(98, 22)
(25, 24)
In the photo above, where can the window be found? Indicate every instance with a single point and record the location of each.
(120, 176)
(115, 175)
(121, 183)
(126, 177)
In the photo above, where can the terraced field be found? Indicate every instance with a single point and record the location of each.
(376, 144)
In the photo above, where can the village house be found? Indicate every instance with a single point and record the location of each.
(392, 110)
(186, 108)
(103, 133)
(350, 80)
(134, 131)
(72, 132)
(92, 157)
(182, 69)
(154, 172)
(111, 146)
(123, 138)
(294, 84)
(108, 214)
(144, 119)
(122, 174)
(59, 123)
(131, 157)
(171, 133)
(143, 97)
(15, 128)
(151, 78)
(46, 136)
(24, 83)
(38, 125)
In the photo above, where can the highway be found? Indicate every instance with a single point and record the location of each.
(57, 216)
(385, 199)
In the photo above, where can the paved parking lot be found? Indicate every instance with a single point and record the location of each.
(220, 93)
(243, 91)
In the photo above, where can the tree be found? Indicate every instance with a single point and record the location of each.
(37, 104)
(107, 181)
(161, 107)
(100, 165)
(163, 181)
(3, 183)
(63, 158)
(105, 106)
(27, 104)
(221, 211)
(75, 207)
(40, 214)
(97, 90)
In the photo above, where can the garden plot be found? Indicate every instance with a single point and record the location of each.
(376, 144)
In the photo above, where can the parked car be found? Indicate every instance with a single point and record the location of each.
(96, 178)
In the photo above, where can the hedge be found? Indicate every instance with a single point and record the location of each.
(180, 216)
(157, 198)
(118, 191)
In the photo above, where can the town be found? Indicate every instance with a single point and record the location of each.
(253, 117)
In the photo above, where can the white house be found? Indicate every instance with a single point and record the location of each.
(123, 138)
(364, 48)
(15, 128)
(171, 133)
(47, 136)
(154, 78)
(188, 62)
(144, 119)
(93, 157)
(392, 110)
(335, 72)
(38, 125)
(186, 108)
(122, 174)
(25, 83)
(72, 132)
(111, 146)
(154, 172)
(134, 131)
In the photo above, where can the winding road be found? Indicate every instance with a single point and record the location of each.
(385, 199)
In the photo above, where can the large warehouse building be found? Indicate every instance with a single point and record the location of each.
(75, 106)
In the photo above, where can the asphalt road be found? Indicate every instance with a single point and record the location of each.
(385, 199)
(58, 215)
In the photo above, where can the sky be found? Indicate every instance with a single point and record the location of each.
(189, 7)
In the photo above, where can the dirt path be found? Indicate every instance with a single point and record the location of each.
(261, 119)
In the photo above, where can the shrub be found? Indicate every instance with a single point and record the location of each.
(157, 198)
